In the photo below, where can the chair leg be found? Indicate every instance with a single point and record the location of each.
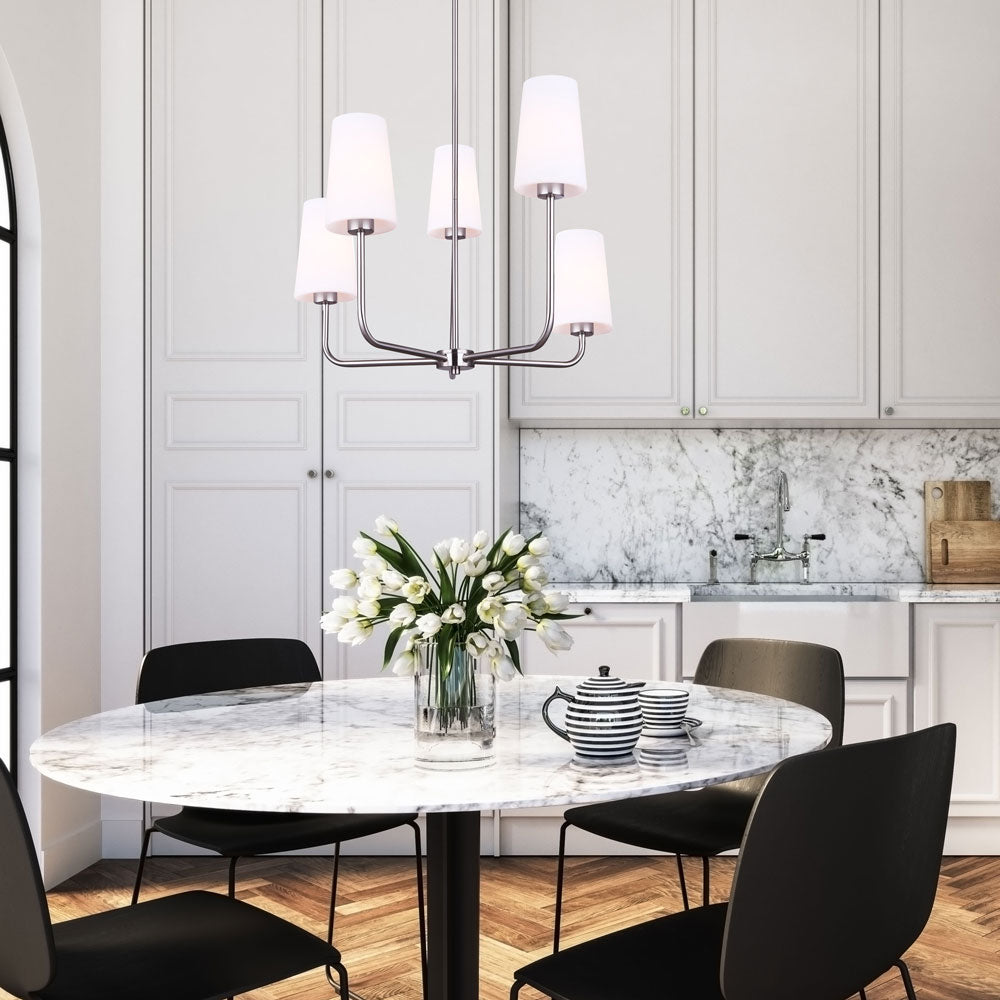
(907, 982)
(333, 894)
(232, 877)
(704, 881)
(142, 864)
(341, 985)
(559, 887)
(680, 874)
(862, 995)
(417, 850)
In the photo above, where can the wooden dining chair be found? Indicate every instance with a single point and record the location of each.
(194, 668)
(197, 945)
(712, 820)
(835, 880)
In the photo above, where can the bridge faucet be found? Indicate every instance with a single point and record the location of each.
(779, 553)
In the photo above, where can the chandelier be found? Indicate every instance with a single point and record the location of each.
(360, 202)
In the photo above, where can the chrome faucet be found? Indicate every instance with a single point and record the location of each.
(779, 553)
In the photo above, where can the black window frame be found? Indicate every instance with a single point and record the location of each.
(9, 454)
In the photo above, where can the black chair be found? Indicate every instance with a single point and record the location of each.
(835, 880)
(188, 946)
(712, 820)
(200, 667)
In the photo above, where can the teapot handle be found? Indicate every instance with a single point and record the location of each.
(545, 712)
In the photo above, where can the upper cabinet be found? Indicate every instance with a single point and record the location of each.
(832, 255)
(940, 209)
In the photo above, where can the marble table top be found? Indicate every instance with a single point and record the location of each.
(347, 746)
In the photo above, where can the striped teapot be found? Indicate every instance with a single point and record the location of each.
(603, 720)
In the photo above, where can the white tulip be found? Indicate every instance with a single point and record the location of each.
(526, 561)
(415, 589)
(512, 545)
(540, 546)
(554, 635)
(535, 604)
(453, 615)
(332, 622)
(393, 580)
(369, 588)
(511, 621)
(428, 625)
(499, 662)
(488, 608)
(343, 579)
(556, 601)
(363, 547)
(374, 565)
(481, 540)
(476, 644)
(459, 550)
(534, 578)
(355, 631)
(402, 615)
(405, 665)
(346, 606)
(476, 564)
(370, 608)
(494, 581)
(385, 526)
(442, 549)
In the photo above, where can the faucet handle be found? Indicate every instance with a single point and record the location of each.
(816, 538)
(740, 537)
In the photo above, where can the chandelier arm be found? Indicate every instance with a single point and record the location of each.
(506, 352)
(383, 345)
(362, 362)
(538, 362)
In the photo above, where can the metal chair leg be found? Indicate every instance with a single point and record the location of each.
(142, 864)
(333, 894)
(559, 887)
(862, 995)
(418, 852)
(907, 982)
(232, 877)
(680, 873)
(704, 881)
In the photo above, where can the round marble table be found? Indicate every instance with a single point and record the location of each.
(347, 746)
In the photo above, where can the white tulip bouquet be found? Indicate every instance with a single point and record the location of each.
(477, 596)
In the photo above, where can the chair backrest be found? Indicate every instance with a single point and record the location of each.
(187, 668)
(838, 868)
(27, 952)
(803, 672)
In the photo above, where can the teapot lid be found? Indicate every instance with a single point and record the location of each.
(602, 683)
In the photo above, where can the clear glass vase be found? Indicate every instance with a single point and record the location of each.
(455, 708)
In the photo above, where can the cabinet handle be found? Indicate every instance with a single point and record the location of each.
(685, 411)
(312, 473)
(328, 473)
(889, 411)
(702, 411)
(588, 611)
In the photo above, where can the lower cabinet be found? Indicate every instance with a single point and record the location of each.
(956, 678)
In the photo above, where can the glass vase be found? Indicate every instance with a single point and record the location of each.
(455, 709)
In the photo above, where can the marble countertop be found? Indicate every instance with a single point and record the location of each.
(347, 746)
(681, 593)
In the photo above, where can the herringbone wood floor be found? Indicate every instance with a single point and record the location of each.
(956, 958)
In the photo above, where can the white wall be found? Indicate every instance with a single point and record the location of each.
(49, 99)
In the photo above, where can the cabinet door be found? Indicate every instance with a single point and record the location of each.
(940, 209)
(786, 209)
(234, 422)
(408, 442)
(874, 710)
(633, 66)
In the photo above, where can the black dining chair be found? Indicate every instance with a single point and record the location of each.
(193, 668)
(192, 945)
(712, 820)
(835, 880)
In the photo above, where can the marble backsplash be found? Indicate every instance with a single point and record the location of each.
(648, 505)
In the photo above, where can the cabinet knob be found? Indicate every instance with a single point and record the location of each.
(328, 473)
(889, 411)
(588, 611)
(312, 473)
(702, 411)
(685, 411)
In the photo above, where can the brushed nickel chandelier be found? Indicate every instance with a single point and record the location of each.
(360, 203)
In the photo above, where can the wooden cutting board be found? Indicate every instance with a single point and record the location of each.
(965, 551)
(953, 500)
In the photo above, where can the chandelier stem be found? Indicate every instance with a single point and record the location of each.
(362, 362)
(453, 319)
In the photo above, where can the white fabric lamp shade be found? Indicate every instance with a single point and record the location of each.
(550, 137)
(470, 217)
(581, 281)
(326, 260)
(359, 180)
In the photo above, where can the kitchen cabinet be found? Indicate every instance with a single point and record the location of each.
(264, 461)
(956, 678)
(940, 210)
(781, 125)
